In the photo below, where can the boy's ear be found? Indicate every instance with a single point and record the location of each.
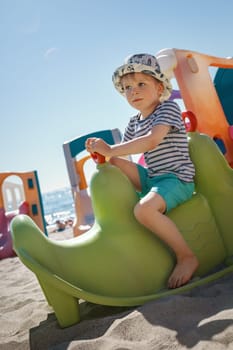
(161, 88)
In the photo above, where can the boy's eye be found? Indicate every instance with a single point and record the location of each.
(127, 88)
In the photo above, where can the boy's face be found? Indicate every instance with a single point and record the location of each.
(142, 92)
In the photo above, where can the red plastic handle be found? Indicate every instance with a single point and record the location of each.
(190, 121)
(98, 158)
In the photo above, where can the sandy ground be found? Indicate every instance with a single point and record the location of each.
(199, 319)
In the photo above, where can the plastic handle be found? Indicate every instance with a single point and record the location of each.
(98, 158)
(190, 121)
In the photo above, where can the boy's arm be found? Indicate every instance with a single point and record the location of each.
(136, 146)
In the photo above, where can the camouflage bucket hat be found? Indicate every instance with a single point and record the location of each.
(142, 63)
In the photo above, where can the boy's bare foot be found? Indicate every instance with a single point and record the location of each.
(183, 271)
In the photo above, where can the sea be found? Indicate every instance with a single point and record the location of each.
(58, 205)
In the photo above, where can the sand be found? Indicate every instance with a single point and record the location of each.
(200, 319)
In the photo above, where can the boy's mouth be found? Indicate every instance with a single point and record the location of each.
(137, 99)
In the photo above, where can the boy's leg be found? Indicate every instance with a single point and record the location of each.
(149, 212)
(129, 169)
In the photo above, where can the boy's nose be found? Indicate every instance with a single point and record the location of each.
(134, 90)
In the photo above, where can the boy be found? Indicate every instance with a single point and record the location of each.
(157, 131)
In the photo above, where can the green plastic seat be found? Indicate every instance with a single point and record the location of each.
(120, 263)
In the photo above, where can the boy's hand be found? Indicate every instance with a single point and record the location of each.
(94, 144)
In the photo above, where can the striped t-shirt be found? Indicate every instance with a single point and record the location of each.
(172, 154)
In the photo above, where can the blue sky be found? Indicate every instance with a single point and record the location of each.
(56, 62)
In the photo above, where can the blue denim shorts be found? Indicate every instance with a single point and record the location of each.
(169, 186)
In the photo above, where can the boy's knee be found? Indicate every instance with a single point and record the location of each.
(140, 212)
(144, 209)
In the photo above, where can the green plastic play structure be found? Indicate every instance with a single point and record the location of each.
(120, 263)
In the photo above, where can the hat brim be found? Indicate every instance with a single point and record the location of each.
(141, 68)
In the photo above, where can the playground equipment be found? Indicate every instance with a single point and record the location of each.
(21, 197)
(119, 262)
(223, 82)
(75, 165)
(191, 70)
